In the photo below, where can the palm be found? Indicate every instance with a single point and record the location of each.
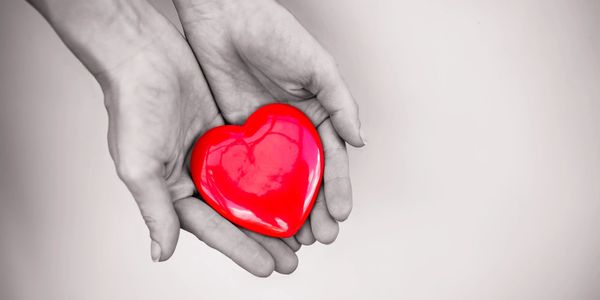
(155, 118)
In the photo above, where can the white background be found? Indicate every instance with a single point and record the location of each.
(481, 179)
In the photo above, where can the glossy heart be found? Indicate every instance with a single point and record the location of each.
(263, 175)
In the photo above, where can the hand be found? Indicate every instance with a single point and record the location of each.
(254, 53)
(158, 104)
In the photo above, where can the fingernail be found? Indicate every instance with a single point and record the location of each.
(362, 137)
(155, 251)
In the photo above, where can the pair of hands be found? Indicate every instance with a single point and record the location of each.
(158, 100)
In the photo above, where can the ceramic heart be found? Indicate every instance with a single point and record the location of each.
(263, 175)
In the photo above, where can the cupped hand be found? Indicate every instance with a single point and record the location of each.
(158, 104)
(254, 53)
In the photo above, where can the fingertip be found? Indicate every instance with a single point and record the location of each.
(328, 240)
(264, 265)
(155, 251)
(343, 110)
(154, 201)
(341, 217)
(284, 258)
(339, 210)
(362, 136)
(338, 195)
(305, 235)
(326, 232)
(164, 233)
(287, 265)
(348, 130)
(164, 239)
(306, 240)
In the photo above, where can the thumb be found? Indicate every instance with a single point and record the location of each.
(334, 96)
(154, 202)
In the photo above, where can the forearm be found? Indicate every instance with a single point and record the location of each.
(102, 34)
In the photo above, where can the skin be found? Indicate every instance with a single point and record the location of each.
(254, 53)
(159, 103)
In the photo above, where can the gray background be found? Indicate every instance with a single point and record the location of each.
(481, 179)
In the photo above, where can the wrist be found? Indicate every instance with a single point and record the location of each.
(214, 9)
(102, 34)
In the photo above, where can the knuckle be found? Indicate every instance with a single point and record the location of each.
(149, 220)
(132, 172)
(156, 224)
(325, 69)
(317, 113)
(327, 63)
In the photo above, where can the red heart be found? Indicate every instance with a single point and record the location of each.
(263, 175)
